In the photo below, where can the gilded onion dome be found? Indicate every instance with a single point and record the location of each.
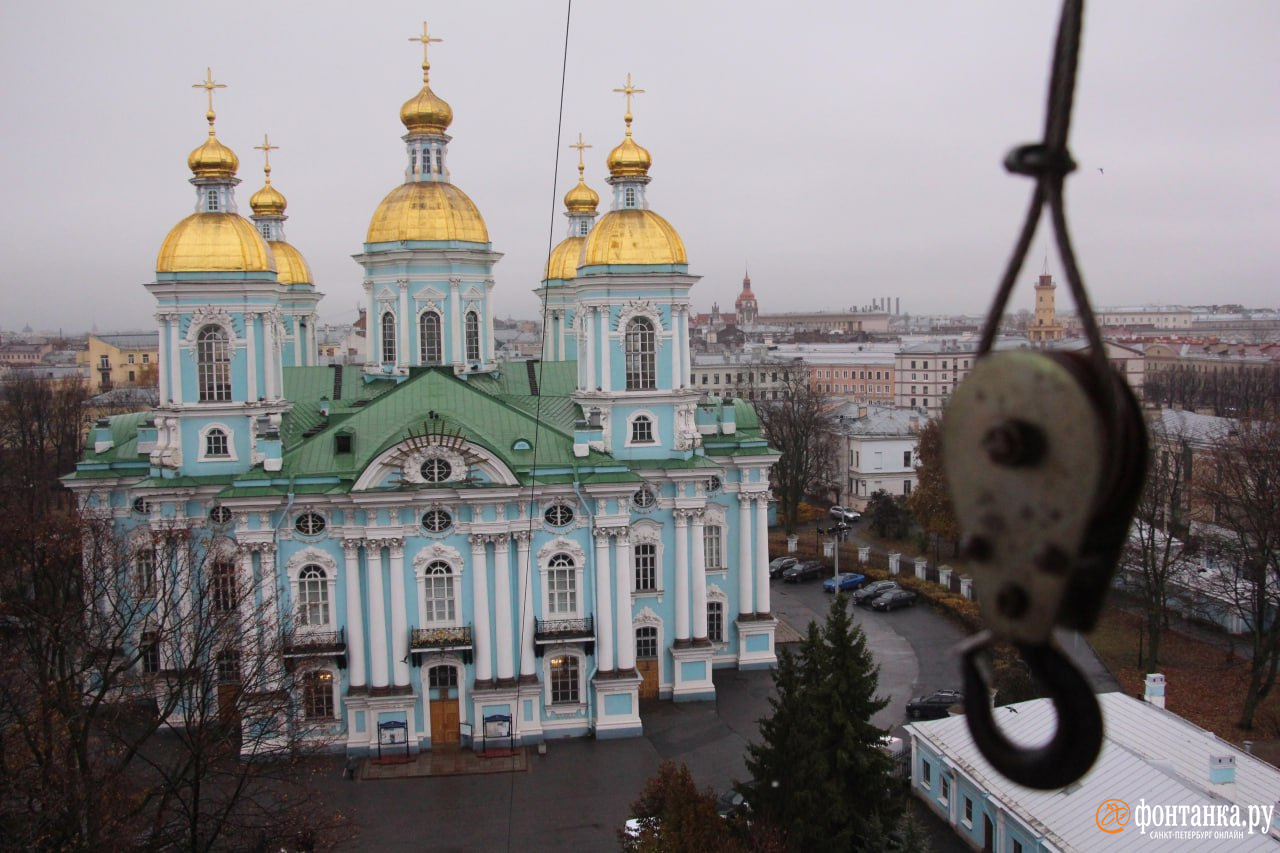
(213, 160)
(580, 206)
(267, 201)
(633, 237)
(291, 267)
(268, 206)
(629, 160)
(563, 262)
(214, 242)
(426, 112)
(427, 210)
(581, 199)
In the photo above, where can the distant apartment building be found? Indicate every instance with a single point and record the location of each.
(743, 375)
(1209, 357)
(926, 374)
(853, 372)
(843, 322)
(126, 360)
(23, 355)
(1173, 317)
(875, 450)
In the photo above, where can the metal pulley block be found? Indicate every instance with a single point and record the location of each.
(1045, 455)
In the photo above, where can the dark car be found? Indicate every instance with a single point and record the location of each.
(935, 705)
(844, 582)
(893, 599)
(868, 593)
(778, 565)
(803, 571)
(731, 803)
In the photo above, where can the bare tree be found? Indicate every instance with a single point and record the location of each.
(930, 500)
(801, 426)
(1240, 488)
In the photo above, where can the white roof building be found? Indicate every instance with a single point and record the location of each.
(1150, 758)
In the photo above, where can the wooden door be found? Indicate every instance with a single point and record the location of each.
(444, 722)
(648, 669)
(229, 705)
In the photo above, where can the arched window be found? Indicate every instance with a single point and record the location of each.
(222, 587)
(430, 347)
(213, 365)
(629, 197)
(215, 443)
(388, 338)
(144, 572)
(565, 680)
(641, 430)
(438, 582)
(562, 586)
(317, 694)
(313, 597)
(641, 355)
(473, 336)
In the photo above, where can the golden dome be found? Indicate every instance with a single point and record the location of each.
(581, 199)
(425, 112)
(629, 160)
(213, 159)
(632, 237)
(267, 201)
(427, 210)
(291, 267)
(214, 242)
(563, 262)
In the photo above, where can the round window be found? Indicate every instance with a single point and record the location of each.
(141, 506)
(714, 484)
(436, 470)
(309, 524)
(643, 498)
(220, 515)
(436, 520)
(558, 515)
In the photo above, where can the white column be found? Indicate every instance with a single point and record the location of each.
(163, 357)
(762, 552)
(698, 571)
(682, 576)
(406, 340)
(378, 675)
(272, 665)
(269, 356)
(746, 567)
(399, 617)
(176, 362)
(606, 376)
(502, 609)
(251, 353)
(528, 666)
(480, 606)
(686, 359)
(591, 348)
(604, 604)
(488, 349)
(455, 314)
(677, 360)
(622, 580)
(564, 315)
(371, 352)
(355, 614)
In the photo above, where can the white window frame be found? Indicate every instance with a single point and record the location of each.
(653, 426)
(321, 559)
(640, 353)
(714, 517)
(647, 532)
(387, 343)
(213, 357)
(471, 335)
(202, 454)
(425, 599)
(581, 659)
(144, 585)
(572, 550)
(334, 698)
(425, 351)
(717, 604)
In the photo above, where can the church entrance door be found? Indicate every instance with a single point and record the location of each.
(647, 661)
(442, 682)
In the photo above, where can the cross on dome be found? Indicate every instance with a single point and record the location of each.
(209, 85)
(426, 41)
(266, 148)
(581, 146)
(629, 90)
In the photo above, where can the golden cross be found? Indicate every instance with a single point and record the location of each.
(208, 85)
(427, 41)
(581, 146)
(266, 148)
(629, 90)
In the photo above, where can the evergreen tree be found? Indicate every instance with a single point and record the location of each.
(820, 774)
(888, 515)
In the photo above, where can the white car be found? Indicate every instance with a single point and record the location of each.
(842, 514)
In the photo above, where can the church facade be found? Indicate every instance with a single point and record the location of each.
(447, 547)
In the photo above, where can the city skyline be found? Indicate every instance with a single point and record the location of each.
(841, 156)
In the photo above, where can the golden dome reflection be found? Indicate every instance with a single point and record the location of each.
(214, 242)
(427, 210)
(632, 237)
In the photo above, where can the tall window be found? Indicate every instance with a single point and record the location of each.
(641, 430)
(388, 338)
(641, 355)
(629, 197)
(149, 651)
(712, 546)
(646, 567)
(564, 680)
(211, 202)
(647, 642)
(439, 588)
(317, 694)
(715, 621)
(228, 666)
(222, 587)
(215, 443)
(213, 365)
(439, 162)
(473, 336)
(429, 338)
(562, 586)
(313, 597)
(144, 572)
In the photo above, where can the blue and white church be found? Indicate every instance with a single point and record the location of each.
(445, 545)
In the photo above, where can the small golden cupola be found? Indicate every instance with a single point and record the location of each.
(580, 207)
(427, 207)
(630, 233)
(216, 238)
(268, 205)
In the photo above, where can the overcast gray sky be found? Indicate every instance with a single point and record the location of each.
(844, 151)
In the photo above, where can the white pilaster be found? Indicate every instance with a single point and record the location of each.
(590, 322)
(604, 604)
(682, 576)
(746, 566)
(406, 347)
(489, 348)
(762, 552)
(399, 616)
(355, 614)
(698, 572)
(502, 609)
(273, 661)
(622, 587)
(686, 358)
(251, 353)
(378, 674)
(455, 317)
(677, 359)
(164, 358)
(270, 356)
(606, 345)
(175, 347)
(528, 662)
(480, 608)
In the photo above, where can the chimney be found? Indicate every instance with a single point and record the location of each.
(1222, 769)
(1154, 692)
(897, 305)
(862, 411)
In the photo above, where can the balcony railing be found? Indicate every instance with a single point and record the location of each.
(310, 643)
(559, 630)
(440, 639)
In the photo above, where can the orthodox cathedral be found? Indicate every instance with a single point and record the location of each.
(449, 548)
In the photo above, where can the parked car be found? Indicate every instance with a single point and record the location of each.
(805, 570)
(778, 565)
(893, 599)
(844, 583)
(868, 593)
(732, 803)
(934, 705)
(840, 513)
